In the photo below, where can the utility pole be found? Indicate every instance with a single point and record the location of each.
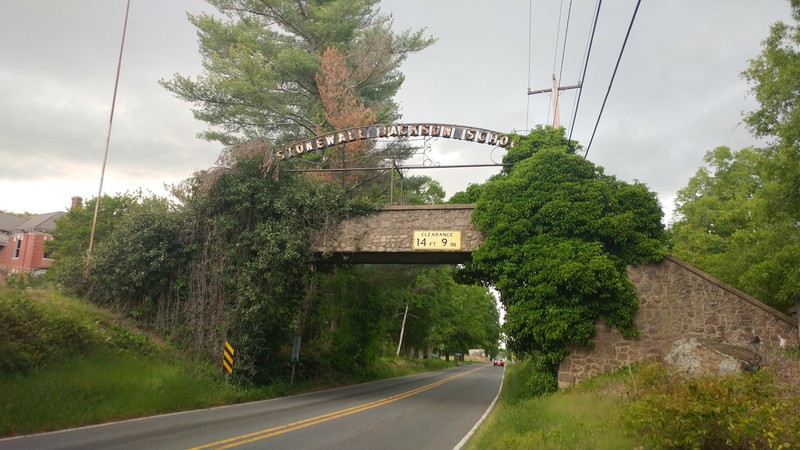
(108, 138)
(554, 94)
(402, 330)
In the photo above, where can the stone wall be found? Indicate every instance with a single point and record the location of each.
(678, 301)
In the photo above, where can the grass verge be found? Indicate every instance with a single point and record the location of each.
(651, 405)
(582, 417)
(102, 386)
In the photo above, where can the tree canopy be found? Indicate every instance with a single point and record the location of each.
(739, 216)
(71, 235)
(261, 62)
(727, 223)
(775, 82)
(559, 234)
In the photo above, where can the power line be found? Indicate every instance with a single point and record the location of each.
(556, 83)
(564, 48)
(530, 27)
(558, 35)
(554, 102)
(585, 67)
(610, 83)
(580, 71)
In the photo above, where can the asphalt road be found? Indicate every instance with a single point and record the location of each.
(434, 410)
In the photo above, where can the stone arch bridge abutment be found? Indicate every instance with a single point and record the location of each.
(678, 302)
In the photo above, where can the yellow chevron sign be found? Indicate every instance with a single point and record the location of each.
(227, 360)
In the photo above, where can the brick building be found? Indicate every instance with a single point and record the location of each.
(22, 242)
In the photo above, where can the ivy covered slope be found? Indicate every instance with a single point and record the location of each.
(559, 234)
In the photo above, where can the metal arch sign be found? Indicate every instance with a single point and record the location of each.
(394, 130)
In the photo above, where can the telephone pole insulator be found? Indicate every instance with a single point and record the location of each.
(554, 89)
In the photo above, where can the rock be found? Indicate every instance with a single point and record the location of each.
(702, 356)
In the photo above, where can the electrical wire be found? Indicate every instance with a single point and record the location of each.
(555, 57)
(585, 67)
(580, 70)
(530, 27)
(558, 36)
(610, 83)
(564, 48)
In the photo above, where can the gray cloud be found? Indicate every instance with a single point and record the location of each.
(678, 92)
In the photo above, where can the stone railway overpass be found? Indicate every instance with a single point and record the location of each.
(677, 301)
(387, 236)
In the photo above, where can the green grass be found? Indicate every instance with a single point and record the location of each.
(68, 363)
(398, 367)
(582, 417)
(104, 386)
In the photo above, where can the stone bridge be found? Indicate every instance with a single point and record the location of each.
(388, 236)
(677, 301)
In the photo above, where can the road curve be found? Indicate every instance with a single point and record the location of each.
(433, 410)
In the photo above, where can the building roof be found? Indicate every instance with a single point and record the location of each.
(10, 224)
(9, 221)
(39, 222)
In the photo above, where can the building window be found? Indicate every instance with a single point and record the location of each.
(17, 247)
(48, 254)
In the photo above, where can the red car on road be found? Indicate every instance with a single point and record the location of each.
(499, 362)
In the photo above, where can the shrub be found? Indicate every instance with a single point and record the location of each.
(739, 411)
(34, 334)
(25, 280)
(532, 378)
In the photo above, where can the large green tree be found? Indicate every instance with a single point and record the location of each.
(775, 79)
(349, 315)
(726, 223)
(443, 314)
(134, 266)
(559, 235)
(261, 62)
(420, 190)
(71, 237)
(775, 82)
(739, 216)
(257, 232)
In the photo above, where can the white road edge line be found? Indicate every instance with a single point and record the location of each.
(483, 417)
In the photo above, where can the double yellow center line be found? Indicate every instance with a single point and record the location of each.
(293, 426)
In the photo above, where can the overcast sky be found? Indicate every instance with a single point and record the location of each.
(677, 94)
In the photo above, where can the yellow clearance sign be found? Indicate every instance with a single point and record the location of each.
(443, 240)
